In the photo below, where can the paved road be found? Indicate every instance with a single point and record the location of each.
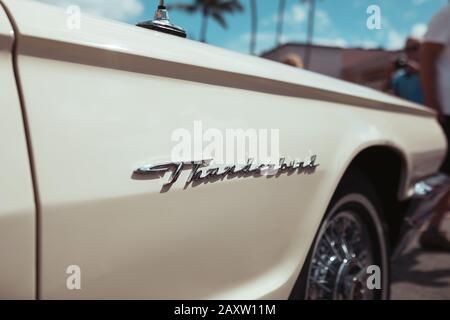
(418, 274)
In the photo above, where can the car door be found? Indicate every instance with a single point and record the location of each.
(17, 206)
(104, 100)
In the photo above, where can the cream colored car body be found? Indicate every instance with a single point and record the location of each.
(102, 100)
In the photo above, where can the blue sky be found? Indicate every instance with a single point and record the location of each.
(338, 22)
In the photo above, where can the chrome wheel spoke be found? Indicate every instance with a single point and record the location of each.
(340, 258)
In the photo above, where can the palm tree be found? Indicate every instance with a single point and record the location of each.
(254, 23)
(210, 8)
(310, 32)
(280, 21)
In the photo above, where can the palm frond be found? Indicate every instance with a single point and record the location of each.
(189, 8)
(220, 19)
(229, 6)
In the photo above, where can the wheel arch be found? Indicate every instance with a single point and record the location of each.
(388, 186)
(386, 167)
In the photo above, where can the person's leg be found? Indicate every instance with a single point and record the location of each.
(434, 237)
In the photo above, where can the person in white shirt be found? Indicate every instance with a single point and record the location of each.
(435, 76)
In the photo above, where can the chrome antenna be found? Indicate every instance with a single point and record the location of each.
(161, 22)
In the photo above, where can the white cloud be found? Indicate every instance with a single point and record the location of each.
(395, 40)
(114, 9)
(333, 42)
(322, 19)
(295, 19)
(369, 44)
(418, 30)
(292, 17)
(298, 14)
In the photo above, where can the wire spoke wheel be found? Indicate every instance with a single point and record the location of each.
(350, 239)
(340, 261)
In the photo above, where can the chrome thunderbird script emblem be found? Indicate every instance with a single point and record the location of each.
(202, 172)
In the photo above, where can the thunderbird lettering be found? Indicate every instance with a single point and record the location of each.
(202, 172)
